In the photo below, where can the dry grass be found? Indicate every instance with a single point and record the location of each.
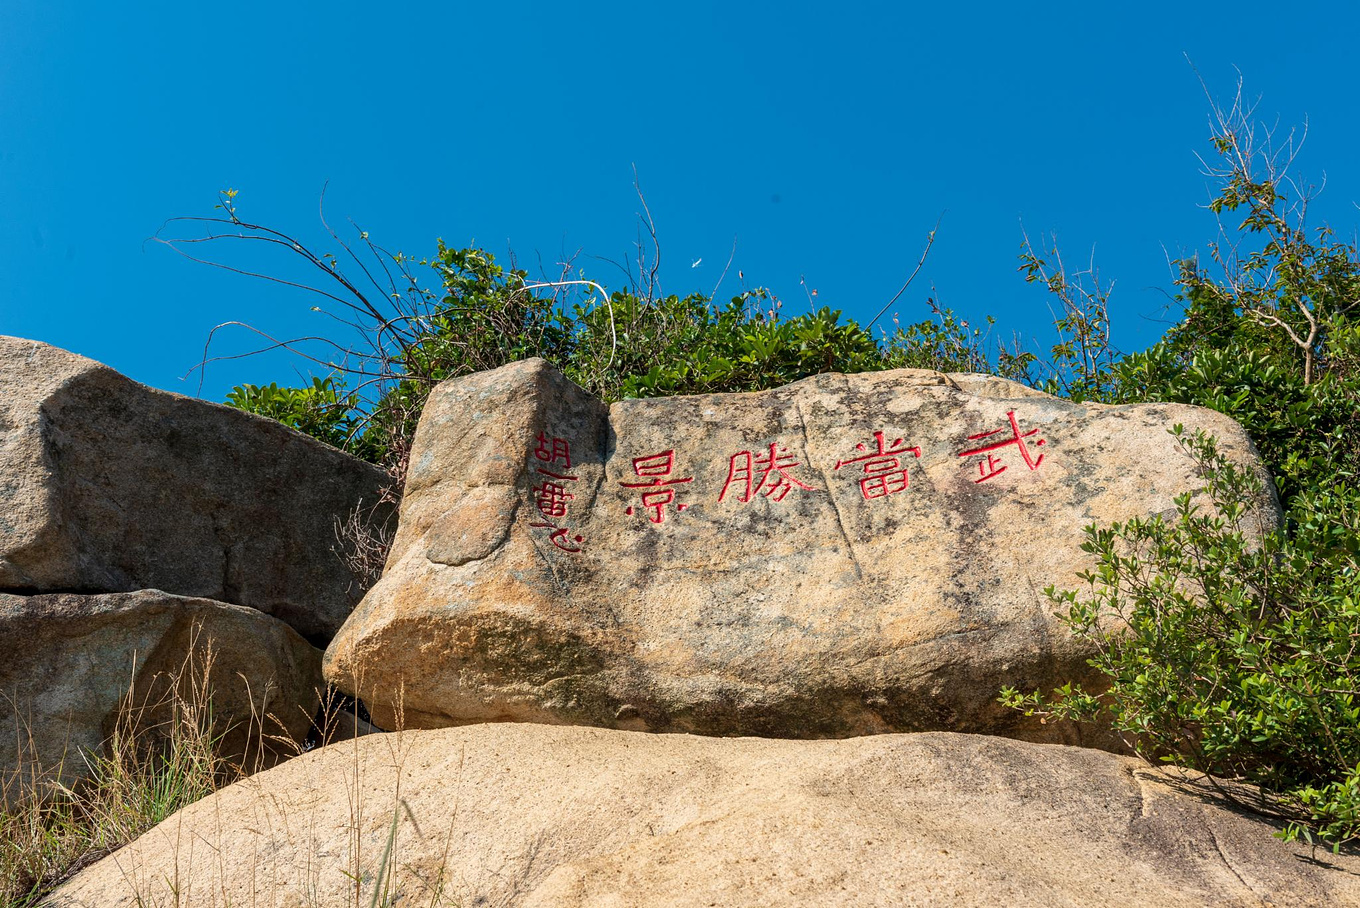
(50, 830)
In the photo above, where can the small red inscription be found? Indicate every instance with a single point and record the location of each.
(551, 495)
(553, 450)
(765, 474)
(655, 470)
(884, 474)
(992, 466)
(559, 537)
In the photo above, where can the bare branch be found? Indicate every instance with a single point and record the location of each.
(656, 245)
(723, 276)
(930, 241)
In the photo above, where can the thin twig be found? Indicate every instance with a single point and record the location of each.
(930, 241)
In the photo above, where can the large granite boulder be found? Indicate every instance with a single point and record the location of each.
(73, 667)
(107, 485)
(841, 556)
(521, 816)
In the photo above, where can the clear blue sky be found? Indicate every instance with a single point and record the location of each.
(827, 138)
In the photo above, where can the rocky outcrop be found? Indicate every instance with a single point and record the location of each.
(841, 556)
(107, 485)
(74, 667)
(526, 815)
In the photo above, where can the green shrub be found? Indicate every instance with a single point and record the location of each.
(316, 409)
(1304, 432)
(621, 346)
(1229, 651)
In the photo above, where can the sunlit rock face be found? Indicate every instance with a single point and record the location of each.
(531, 816)
(841, 556)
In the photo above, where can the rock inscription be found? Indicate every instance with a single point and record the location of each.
(844, 555)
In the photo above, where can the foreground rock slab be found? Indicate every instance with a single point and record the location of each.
(524, 815)
(844, 555)
(73, 667)
(107, 485)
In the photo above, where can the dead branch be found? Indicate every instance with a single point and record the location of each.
(930, 241)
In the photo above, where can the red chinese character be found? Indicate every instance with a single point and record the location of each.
(655, 468)
(559, 537)
(765, 474)
(991, 467)
(553, 450)
(884, 474)
(552, 497)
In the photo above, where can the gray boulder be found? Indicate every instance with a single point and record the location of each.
(107, 485)
(73, 667)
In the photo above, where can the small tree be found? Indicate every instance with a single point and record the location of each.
(1298, 283)
(1269, 315)
(1080, 364)
(1226, 650)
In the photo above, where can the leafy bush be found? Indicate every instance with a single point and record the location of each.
(316, 409)
(736, 347)
(1268, 334)
(622, 345)
(1227, 651)
(1230, 651)
(1306, 433)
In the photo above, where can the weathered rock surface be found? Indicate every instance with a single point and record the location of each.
(984, 385)
(107, 485)
(531, 815)
(844, 555)
(71, 666)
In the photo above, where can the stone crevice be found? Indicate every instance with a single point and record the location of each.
(830, 491)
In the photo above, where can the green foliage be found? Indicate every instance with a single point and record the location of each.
(483, 319)
(317, 409)
(946, 344)
(733, 348)
(1235, 352)
(1270, 321)
(1230, 651)
(624, 345)
(1291, 283)
(1305, 433)
(1226, 651)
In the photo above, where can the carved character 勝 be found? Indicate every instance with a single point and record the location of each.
(766, 473)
